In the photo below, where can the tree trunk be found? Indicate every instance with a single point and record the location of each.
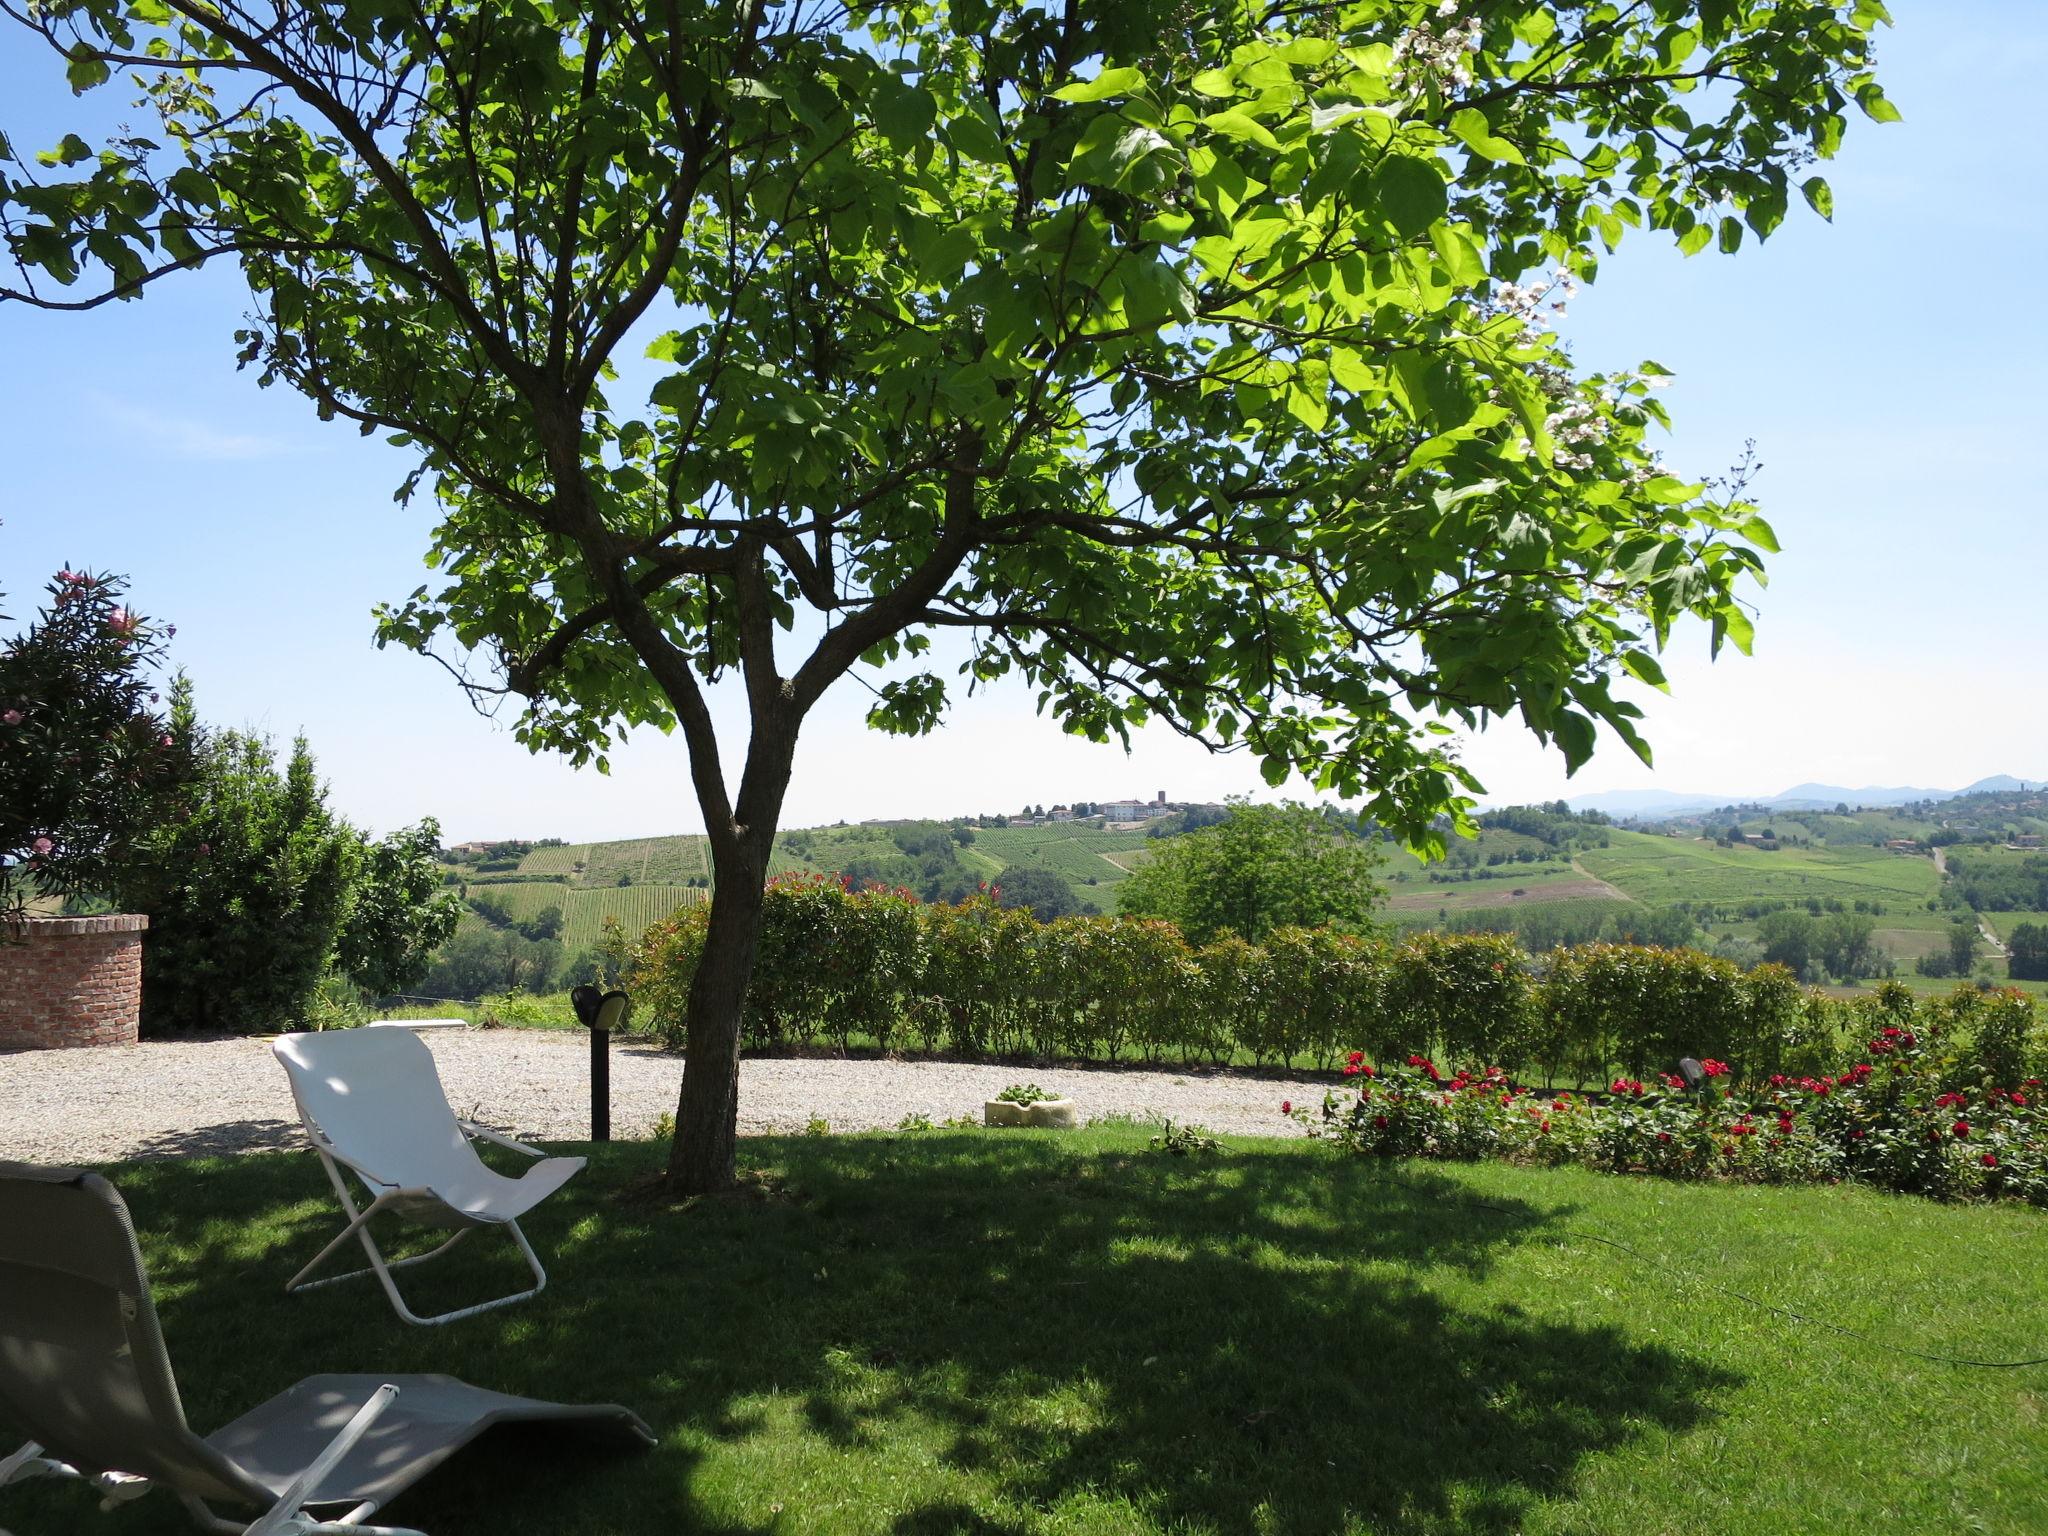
(700, 1159)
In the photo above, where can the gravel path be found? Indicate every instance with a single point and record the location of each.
(171, 1098)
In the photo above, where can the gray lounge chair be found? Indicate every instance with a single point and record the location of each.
(84, 1373)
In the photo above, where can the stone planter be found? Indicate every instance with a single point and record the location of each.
(1053, 1114)
(68, 981)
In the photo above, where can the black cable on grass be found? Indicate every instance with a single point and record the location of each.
(1796, 1316)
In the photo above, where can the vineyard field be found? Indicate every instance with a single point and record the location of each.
(1657, 870)
(584, 909)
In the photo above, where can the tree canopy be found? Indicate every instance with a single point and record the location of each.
(1190, 362)
(88, 762)
(1262, 867)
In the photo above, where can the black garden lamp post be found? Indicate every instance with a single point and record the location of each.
(600, 1013)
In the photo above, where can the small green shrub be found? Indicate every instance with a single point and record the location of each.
(1184, 1141)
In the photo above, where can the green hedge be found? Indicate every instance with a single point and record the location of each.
(976, 979)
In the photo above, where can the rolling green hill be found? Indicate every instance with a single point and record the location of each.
(584, 909)
(1656, 869)
(1093, 861)
(1551, 878)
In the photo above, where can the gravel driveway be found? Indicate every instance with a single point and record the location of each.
(170, 1098)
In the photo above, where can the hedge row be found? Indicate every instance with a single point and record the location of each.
(975, 979)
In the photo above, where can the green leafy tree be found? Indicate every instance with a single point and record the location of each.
(1786, 939)
(399, 911)
(1185, 361)
(1262, 867)
(543, 925)
(467, 966)
(1044, 891)
(2027, 953)
(1962, 945)
(246, 893)
(88, 763)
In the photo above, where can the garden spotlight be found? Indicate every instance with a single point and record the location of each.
(600, 1013)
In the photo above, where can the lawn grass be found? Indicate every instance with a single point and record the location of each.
(1042, 1332)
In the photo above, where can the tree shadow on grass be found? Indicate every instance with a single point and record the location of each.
(223, 1137)
(1262, 1341)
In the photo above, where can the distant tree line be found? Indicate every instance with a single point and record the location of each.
(1999, 884)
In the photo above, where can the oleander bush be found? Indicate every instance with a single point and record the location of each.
(876, 966)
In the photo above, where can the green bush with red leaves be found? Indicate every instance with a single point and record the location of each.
(1925, 1110)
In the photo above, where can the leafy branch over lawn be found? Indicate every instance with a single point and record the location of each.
(1186, 360)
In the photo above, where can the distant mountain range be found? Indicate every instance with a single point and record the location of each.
(1800, 797)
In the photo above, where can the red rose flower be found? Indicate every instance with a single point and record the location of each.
(1961, 1130)
(1989, 1159)
(1287, 1106)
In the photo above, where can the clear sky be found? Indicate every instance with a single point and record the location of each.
(1892, 369)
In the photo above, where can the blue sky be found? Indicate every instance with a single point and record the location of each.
(1890, 368)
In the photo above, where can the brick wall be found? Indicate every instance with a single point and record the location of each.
(70, 981)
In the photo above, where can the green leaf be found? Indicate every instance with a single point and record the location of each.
(1471, 126)
(1461, 257)
(1575, 736)
(1669, 490)
(1732, 623)
(1643, 666)
(1111, 82)
(905, 115)
(1409, 193)
(1875, 104)
(1214, 82)
(1820, 197)
(1696, 239)
(973, 136)
(1242, 126)
(85, 71)
(69, 151)
(1759, 533)
(192, 185)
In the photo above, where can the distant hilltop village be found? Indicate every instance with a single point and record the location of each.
(1112, 813)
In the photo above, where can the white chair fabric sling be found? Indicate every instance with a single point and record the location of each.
(84, 1373)
(371, 1102)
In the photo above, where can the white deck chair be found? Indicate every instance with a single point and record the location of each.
(372, 1102)
(84, 1372)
